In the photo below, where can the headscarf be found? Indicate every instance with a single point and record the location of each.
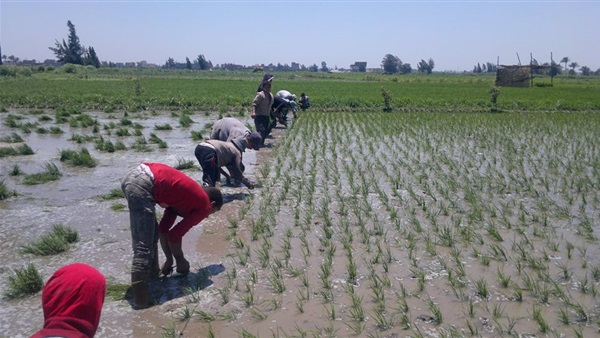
(72, 300)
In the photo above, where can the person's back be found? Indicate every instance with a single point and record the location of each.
(227, 129)
(304, 101)
(286, 95)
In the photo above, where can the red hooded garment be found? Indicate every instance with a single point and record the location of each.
(72, 300)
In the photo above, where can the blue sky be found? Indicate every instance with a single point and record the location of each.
(455, 34)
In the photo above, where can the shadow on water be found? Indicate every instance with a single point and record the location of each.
(227, 198)
(164, 289)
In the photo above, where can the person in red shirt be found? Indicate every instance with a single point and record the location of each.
(72, 300)
(154, 183)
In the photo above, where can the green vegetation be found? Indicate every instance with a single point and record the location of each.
(183, 164)
(115, 193)
(23, 282)
(81, 158)
(51, 173)
(174, 90)
(23, 149)
(5, 192)
(54, 242)
(116, 291)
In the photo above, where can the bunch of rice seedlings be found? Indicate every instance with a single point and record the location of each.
(165, 126)
(52, 173)
(185, 120)
(23, 149)
(155, 139)
(54, 242)
(197, 135)
(5, 192)
(24, 281)
(182, 164)
(13, 138)
(81, 158)
(16, 170)
(114, 194)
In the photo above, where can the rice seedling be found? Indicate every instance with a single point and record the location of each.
(81, 158)
(165, 126)
(23, 282)
(482, 288)
(5, 192)
(52, 243)
(539, 318)
(114, 193)
(435, 310)
(155, 139)
(185, 121)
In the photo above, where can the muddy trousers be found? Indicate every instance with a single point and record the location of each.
(207, 157)
(138, 188)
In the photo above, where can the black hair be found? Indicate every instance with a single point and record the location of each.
(214, 195)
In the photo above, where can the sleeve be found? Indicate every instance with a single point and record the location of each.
(167, 220)
(180, 229)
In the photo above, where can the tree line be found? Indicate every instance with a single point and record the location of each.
(72, 51)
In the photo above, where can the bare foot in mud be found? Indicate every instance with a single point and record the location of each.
(166, 269)
(183, 266)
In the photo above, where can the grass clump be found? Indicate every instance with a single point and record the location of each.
(24, 281)
(165, 126)
(116, 291)
(184, 164)
(113, 194)
(51, 173)
(13, 138)
(23, 149)
(82, 158)
(54, 242)
(185, 120)
(197, 135)
(5, 192)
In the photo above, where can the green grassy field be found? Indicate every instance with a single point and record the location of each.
(132, 90)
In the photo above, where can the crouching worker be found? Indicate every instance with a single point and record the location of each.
(228, 128)
(72, 300)
(304, 102)
(214, 154)
(154, 183)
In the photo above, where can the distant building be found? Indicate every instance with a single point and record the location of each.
(359, 66)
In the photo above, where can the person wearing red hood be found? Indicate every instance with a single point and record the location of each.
(72, 300)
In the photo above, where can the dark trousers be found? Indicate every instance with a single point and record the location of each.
(207, 157)
(263, 126)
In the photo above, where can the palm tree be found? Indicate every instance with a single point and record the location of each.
(565, 60)
(573, 65)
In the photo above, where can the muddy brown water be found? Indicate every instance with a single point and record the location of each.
(319, 193)
(105, 243)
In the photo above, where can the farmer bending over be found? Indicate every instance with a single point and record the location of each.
(154, 183)
(214, 154)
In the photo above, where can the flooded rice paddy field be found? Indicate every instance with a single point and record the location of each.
(364, 224)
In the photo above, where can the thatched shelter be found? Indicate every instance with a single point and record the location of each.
(517, 76)
(513, 76)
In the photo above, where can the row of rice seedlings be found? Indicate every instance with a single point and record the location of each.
(438, 218)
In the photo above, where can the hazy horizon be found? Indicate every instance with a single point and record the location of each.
(455, 34)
